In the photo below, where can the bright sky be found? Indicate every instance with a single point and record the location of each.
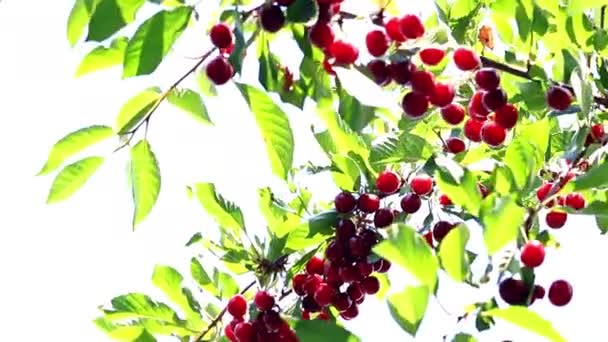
(60, 262)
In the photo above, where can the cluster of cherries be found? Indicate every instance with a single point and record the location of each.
(267, 326)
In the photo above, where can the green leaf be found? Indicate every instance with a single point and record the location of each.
(535, 95)
(201, 277)
(595, 177)
(224, 212)
(408, 307)
(346, 172)
(136, 305)
(452, 253)
(322, 331)
(343, 139)
(280, 221)
(72, 178)
(102, 58)
(145, 180)
(131, 334)
(409, 250)
(583, 92)
(501, 218)
(302, 11)
(520, 159)
(225, 283)
(526, 319)
(408, 148)
(357, 115)
(110, 16)
(136, 109)
(153, 40)
(458, 184)
(190, 102)
(275, 129)
(462, 8)
(169, 280)
(462, 337)
(79, 18)
(73, 143)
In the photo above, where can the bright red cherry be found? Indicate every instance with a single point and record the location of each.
(383, 217)
(423, 81)
(487, 79)
(441, 229)
(556, 219)
(543, 191)
(350, 313)
(328, 67)
(477, 109)
(597, 133)
(264, 300)
(377, 43)
(219, 70)
(229, 332)
(575, 200)
(431, 55)
(466, 60)
(412, 26)
(429, 238)
(345, 229)
(324, 295)
(344, 52)
(533, 254)
(221, 35)
(315, 265)
(272, 18)
(415, 104)
(237, 306)
(493, 134)
(560, 293)
(312, 283)
(472, 129)
(444, 200)
(453, 113)
(494, 99)
(371, 285)
(559, 98)
(506, 116)
(422, 185)
(401, 71)
(442, 95)
(297, 283)
(345, 202)
(513, 291)
(368, 203)
(411, 203)
(244, 331)
(322, 35)
(380, 72)
(388, 181)
(455, 145)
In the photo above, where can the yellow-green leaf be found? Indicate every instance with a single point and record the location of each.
(145, 180)
(72, 178)
(453, 254)
(136, 108)
(527, 319)
(408, 307)
(501, 218)
(103, 57)
(225, 213)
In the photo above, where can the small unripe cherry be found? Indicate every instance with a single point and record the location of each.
(237, 306)
(423, 81)
(487, 79)
(442, 95)
(315, 265)
(466, 60)
(431, 55)
(494, 99)
(455, 145)
(477, 109)
(401, 71)
(272, 18)
(380, 72)
(343, 52)
(415, 104)
(264, 301)
(383, 218)
(560, 293)
(533, 254)
(556, 219)
(412, 26)
(559, 98)
(493, 134)
(411, 203)
(345, 202)
(388, 181)
(506, 116)
(219, 70)
(368, 203)
(377, 43)
(393, 30)
(221, 35)
(575, 200)
(322, 35)
(421, 185)
(453, 113)
(472, 129)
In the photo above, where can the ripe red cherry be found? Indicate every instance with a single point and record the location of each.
(543, 191)
(560, 293)
(237, 306)
(441, 229)
(344, 52)
(264, 300)
(328, 67)
(229, 332)
(309, 304)
(383, 218)
(380, 72)
(455, 145)
(388, 181)
(355, 291)
(487, 79)
(342, 302)
(539, 292)
(219, 70)
(415, 104)
(444, 200)
(472, 129)
(431, 55)
(513, 291)
(382, 266)
(533, 254)
(401, 71)
(345, 202)
(272, 18)
(559, 98)
(371, 285)
(368, 203)
(429, 238)
(350, 313)
(297, 283)
(324, 295)
(411, 203)
(322, 35)
(442, 95)
(453, 113)
(334, 251)
(493, 134)
(506, 116)
(494, 99)
(244, 331)
(556, 219)
(477, 109)
(345, 229)
(422, 185)
(393, 30)
(423, 81)
(365, 269)
(412, 26)
(597, 133)
(311, 284)
(465, 59)
(357, 247)
(377, 43)
(575, 200)
(315, 265)
(221, 35)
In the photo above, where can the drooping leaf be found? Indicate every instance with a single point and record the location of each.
(73, 143)
(169, 280)
(136, 305)
(145, 180)
(136, 109)
(274, 127)
(527, 319)
(110, 16)
(501, 218)
(190, 102)
(103, 57)
(302, 11)
(72, 178)
(458, 184)
(153, 40)
(224, 212)
(201, 277)
(583, 92)
(409, 306)
(79, 19)
(452, 253)
(409, 250)
(322, 331)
